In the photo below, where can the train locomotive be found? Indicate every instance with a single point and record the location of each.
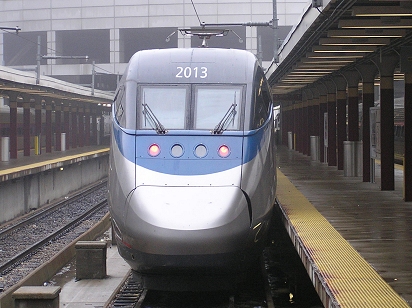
(192, 177)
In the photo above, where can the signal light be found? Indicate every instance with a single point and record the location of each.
(223, 151)
(154, 150)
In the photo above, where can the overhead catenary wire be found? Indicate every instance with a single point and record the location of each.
(29, 40)
(198, 18)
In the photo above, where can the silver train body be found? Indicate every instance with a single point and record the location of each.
(192, 177)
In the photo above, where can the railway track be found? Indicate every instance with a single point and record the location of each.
(249, 295)
(27, 243)
(9, 227)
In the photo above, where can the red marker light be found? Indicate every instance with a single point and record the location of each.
(154, 150)
(224, 151)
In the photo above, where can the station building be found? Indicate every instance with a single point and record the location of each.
(109, 32)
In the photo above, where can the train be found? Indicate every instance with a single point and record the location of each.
(192, 174)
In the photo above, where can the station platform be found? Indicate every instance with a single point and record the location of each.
(353, 238)
(92, 292)
(26, 165)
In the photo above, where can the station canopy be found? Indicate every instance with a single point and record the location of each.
(338, 36)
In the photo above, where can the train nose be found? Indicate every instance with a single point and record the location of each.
(189, 208)
(188, 220)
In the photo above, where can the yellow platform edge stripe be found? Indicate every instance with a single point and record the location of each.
(340, 275)
(51, 161)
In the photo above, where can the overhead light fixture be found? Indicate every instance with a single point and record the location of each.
(299, 77)
(345, 49)
(379, 11)
(319, 69)
(300, 80)
(309, 72)
(322, 68)
(335, 55)
(354, 41)
(372, 32)
(381, 23)
(304, 74)
(311, 61)
(287, 86)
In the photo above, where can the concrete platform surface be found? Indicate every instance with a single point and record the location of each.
(378, 224)
(94, 292)
(26, 165)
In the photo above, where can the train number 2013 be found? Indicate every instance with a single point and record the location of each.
(187, 72)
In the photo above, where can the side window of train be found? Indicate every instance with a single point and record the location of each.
(119, 107)
(262, 100)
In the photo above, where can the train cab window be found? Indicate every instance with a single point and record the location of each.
(262, 100)
(217, 108)
(119, 101)
(163, 108)
(124, 106)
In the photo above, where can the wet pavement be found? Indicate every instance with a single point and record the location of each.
(378, 224)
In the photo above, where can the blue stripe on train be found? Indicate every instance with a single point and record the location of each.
(129, 143)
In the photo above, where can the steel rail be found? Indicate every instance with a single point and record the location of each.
(42, 212)
(20, 256)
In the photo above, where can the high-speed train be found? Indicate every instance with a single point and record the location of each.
(192, 177)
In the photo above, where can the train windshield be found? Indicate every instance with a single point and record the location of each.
(214, 108)
(217, 108)
(163, 108)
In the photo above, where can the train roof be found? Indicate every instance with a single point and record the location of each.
(192, 65)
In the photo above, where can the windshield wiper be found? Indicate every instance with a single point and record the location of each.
(154, 122)
(224, 122)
